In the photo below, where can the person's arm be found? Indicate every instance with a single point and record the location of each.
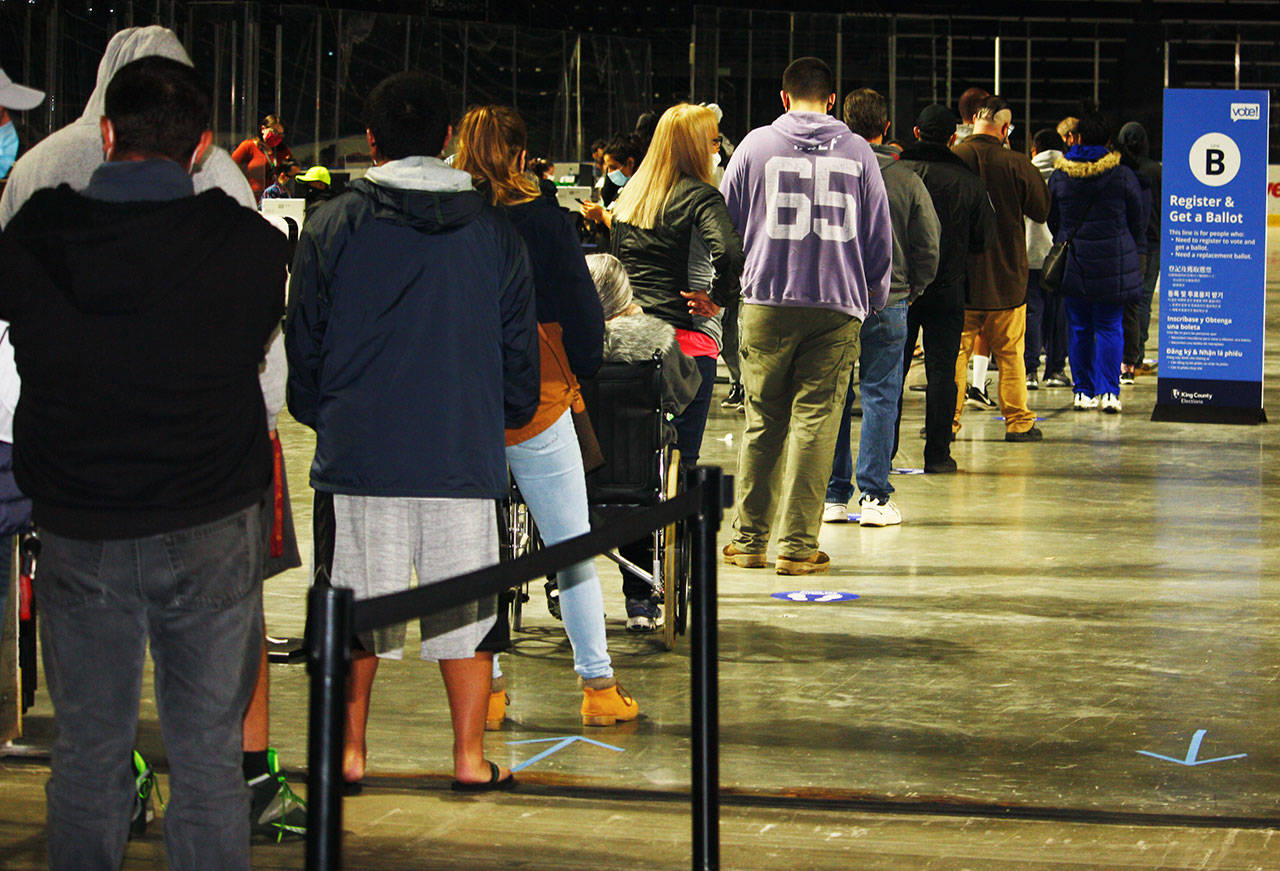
(731, 187)
(1137, 208)
(521, 367)
(1035, 196)
(1054, 218)
(876, 233)
(579, 313)
(711, 221)
(304, 328)
(924, 237)
(243, 155)
(982, 220)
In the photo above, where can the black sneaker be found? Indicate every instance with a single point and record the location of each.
(275, 810)
(1057, 380)
(1032, 435)
(146, 785)
(735, 398)
(942, 467)
(553, 599)
(1033, 383)
(979, 398)
(1126, 377)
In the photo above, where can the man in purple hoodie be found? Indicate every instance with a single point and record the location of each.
(805, 194)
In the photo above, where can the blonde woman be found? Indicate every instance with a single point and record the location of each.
(543, 455)
(672, 232)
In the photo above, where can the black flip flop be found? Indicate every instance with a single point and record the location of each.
(493, 784)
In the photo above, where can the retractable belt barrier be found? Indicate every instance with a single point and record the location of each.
(334, 616)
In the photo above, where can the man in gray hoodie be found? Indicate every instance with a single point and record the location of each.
(70, 156)
(806, 195)
(915, 263)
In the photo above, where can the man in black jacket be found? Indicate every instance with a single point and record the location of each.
(968, 223)
(413, 345)
(141, 437)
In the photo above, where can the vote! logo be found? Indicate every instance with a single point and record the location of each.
(1214, 159)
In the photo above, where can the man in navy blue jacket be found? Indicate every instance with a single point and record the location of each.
(413, 345)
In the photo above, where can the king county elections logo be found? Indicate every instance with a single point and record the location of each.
(1214, 159)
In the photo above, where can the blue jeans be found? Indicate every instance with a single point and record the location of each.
(880, 377)
(548, 471)
(691, 425)
(1097, 345)
(197, 595)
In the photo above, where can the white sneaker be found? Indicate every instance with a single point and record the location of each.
(1110, 403)
(1085, 403)
(876, 513)
(835, 512)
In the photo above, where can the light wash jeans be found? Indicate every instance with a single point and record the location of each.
(880, 376)
(548, 471)
(196, 594)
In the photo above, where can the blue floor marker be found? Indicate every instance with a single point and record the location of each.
(820, 597)
(1193, 751)
(556, 748)
(906, 471)
(1001, 417)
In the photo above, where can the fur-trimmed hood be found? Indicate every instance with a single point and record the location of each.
(1088, 168)
(635, 338)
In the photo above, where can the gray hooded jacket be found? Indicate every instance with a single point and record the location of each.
(70, 156)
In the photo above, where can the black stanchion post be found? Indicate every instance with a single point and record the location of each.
(705, 713)
(328, 655)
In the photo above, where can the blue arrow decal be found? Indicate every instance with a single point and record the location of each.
(558, 744)
(1192, 752)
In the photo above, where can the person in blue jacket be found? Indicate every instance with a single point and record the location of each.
(413, 346)
(1097, 203)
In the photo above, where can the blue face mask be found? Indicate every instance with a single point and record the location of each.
(8, 148)
(618, 177)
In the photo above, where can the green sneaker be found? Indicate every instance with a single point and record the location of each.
(146, 785)
(275, 810)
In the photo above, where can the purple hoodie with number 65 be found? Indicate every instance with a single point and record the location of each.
(805, 194)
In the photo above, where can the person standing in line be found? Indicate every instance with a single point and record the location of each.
(967, 224)
(1132, 141)
(70, 156)
(881, 337)
(1098, 203)
(413, 346)
(141, 437)
(1046, 318)
(544, 455)
(997, 300)
(807, 196)
(977, 394)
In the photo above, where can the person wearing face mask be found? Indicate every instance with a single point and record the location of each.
(13, 96)
(258, 156)
(148, 534)
(283, 187)
(622, 156)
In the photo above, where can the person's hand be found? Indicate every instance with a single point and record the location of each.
(700, 303)
(593, 212)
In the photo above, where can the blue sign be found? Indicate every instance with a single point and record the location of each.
(558, 744)
(1213, 256)
(1193, 752)
(817, 596)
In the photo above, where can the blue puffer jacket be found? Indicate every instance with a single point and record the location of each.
(412, 342)
(1103, 266)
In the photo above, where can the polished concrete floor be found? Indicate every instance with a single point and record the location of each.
(1039, 624)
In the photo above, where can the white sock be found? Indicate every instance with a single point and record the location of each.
(497, 669)
(980, 371)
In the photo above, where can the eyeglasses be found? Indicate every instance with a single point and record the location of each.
(717, 140)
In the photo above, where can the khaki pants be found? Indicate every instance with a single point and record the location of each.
(796, 363)
(1005, 331)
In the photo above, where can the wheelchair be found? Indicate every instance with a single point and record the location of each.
(642, 468)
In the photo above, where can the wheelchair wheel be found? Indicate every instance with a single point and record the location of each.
(520, 538)
(673, 578)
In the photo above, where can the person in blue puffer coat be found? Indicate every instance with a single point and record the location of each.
(1102, 203)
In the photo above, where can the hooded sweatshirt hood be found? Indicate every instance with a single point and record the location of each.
(71, 154)
(812, 132)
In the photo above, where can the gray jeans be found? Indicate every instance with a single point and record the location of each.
(196, 594)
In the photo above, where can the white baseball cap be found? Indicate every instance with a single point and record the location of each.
(14, 96)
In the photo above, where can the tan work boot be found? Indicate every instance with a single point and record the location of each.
(741, 558)
(605, 703)
(815, 564)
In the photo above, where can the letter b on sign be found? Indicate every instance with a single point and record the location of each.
(1214, 159)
